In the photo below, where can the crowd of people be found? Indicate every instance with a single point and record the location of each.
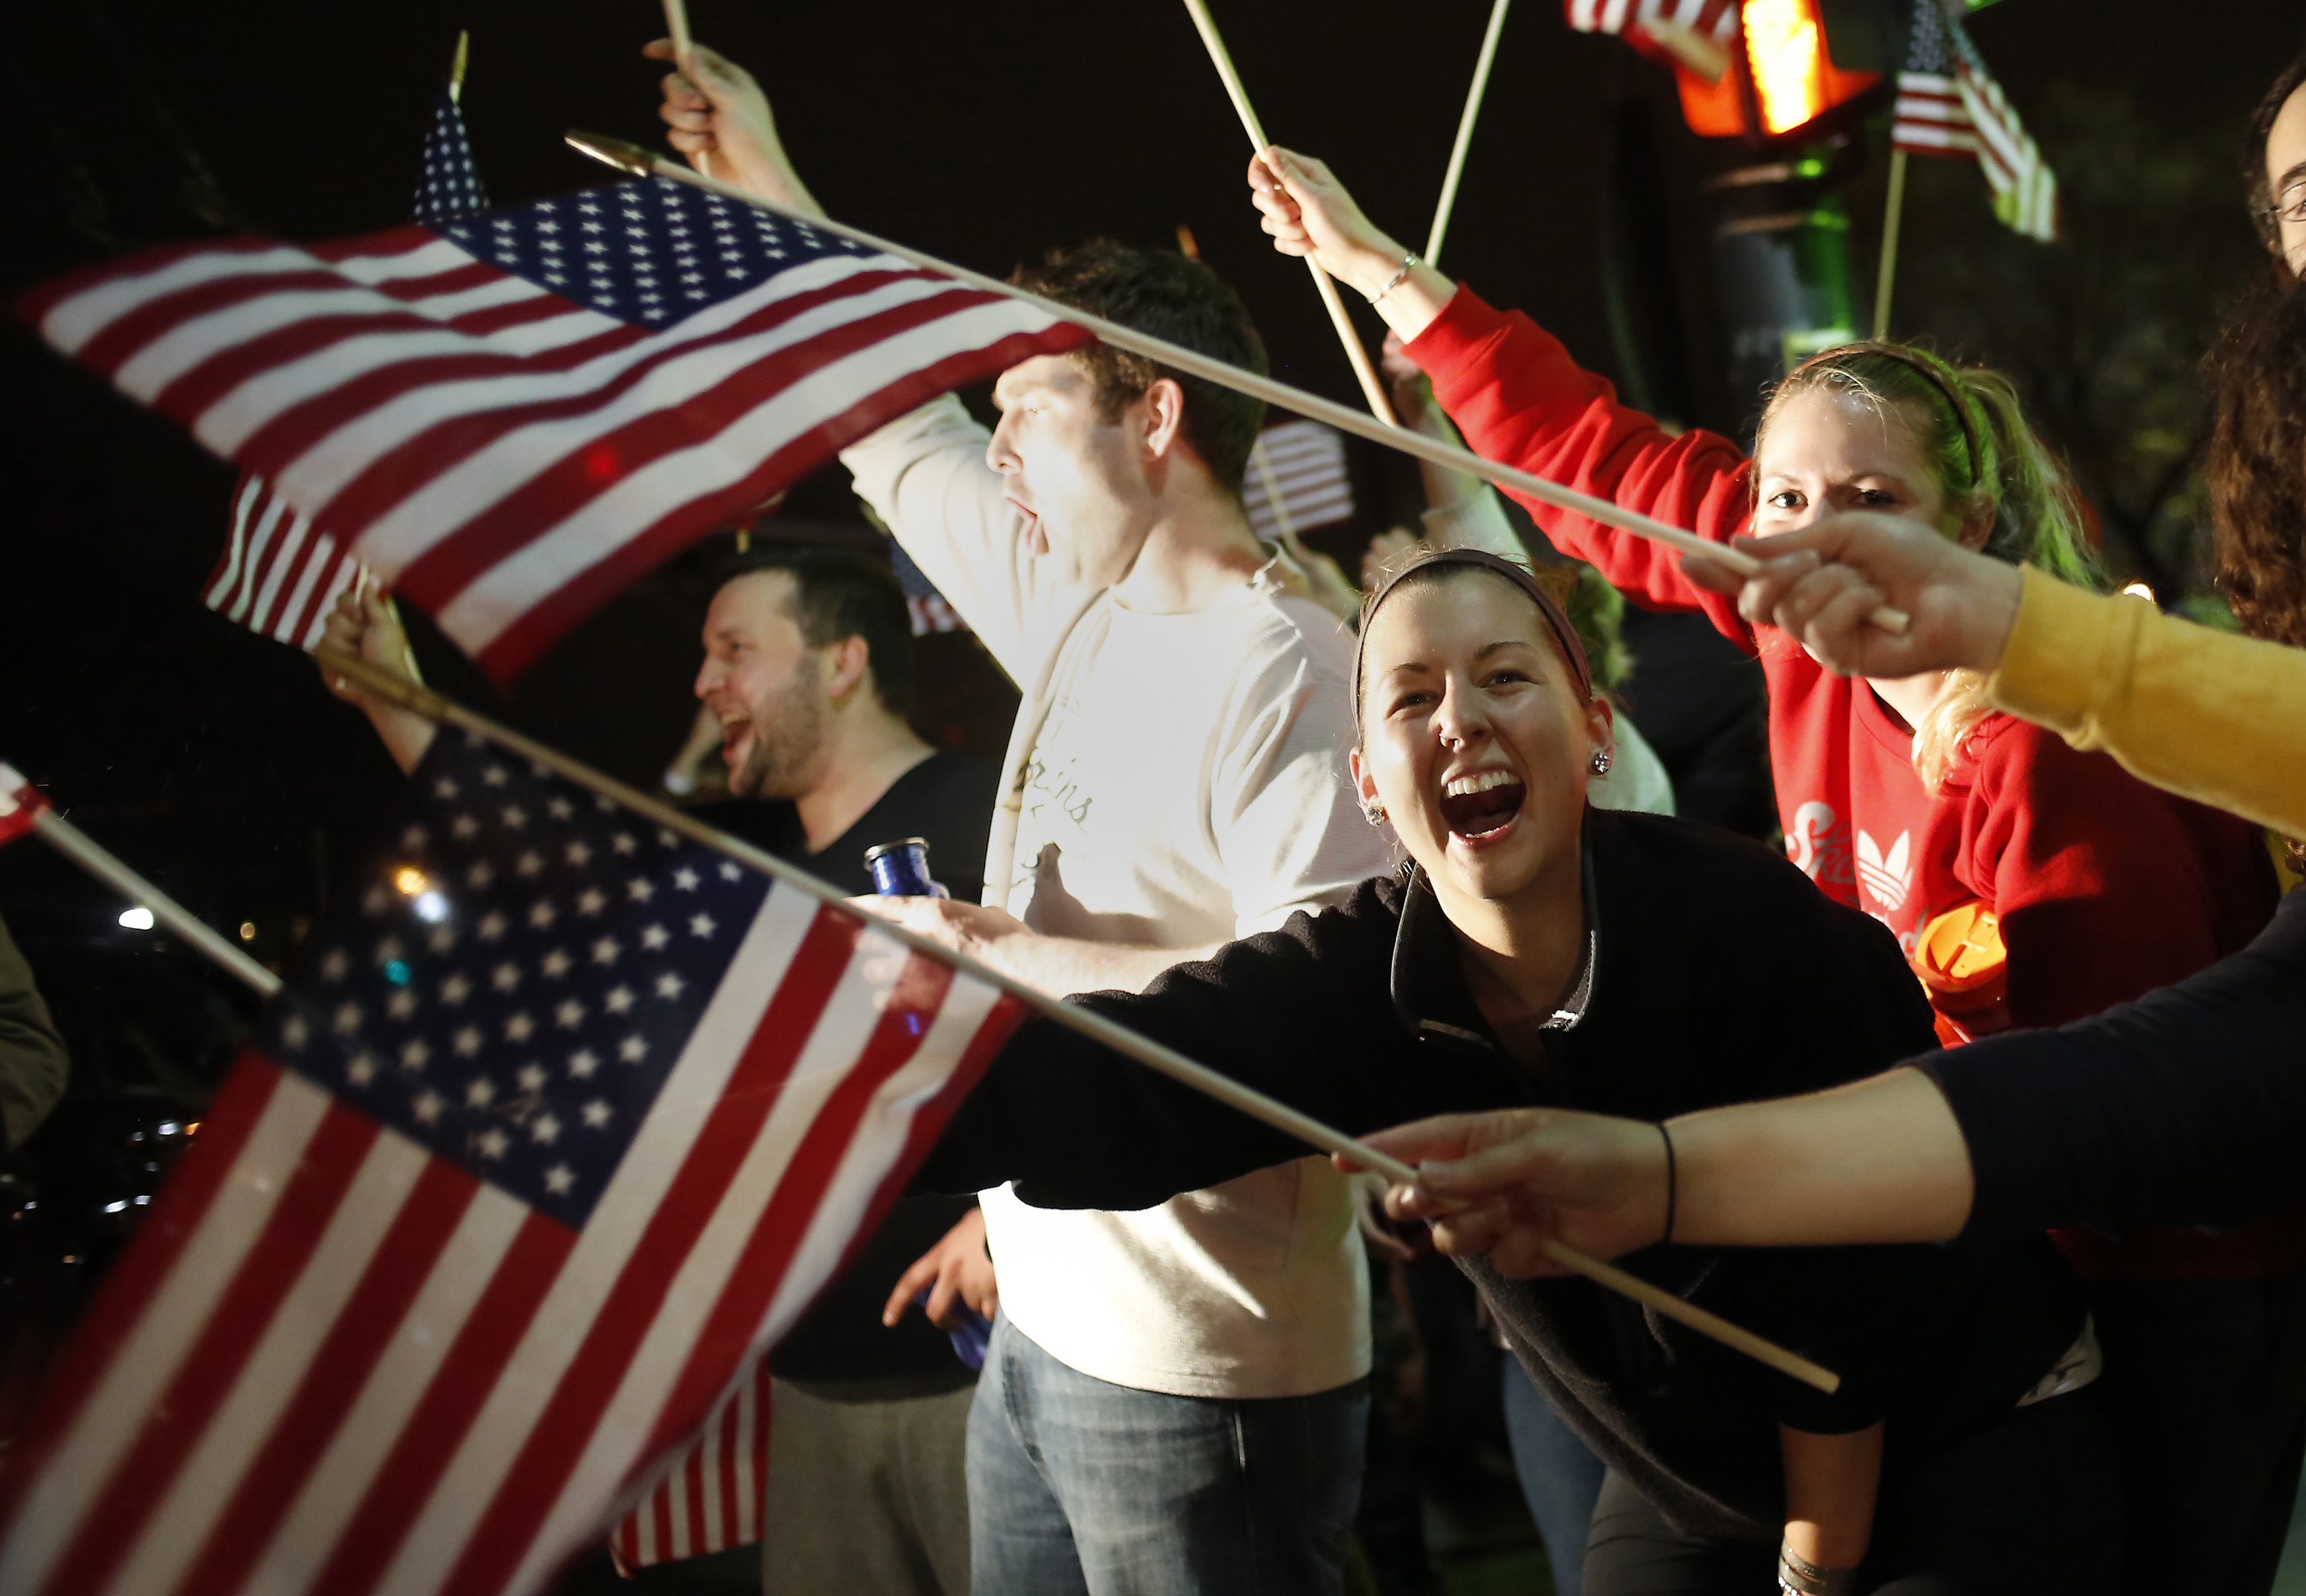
(1985, 1092)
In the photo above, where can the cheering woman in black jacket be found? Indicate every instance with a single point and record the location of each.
(1534, 952)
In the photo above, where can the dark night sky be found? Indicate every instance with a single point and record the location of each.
(983, 132)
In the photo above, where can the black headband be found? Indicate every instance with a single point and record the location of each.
(1937, 379)
(1556, 617)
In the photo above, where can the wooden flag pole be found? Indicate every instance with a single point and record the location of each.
(456, 65)
(646, 163)
(83, 850)
(1892, 224)
(406, 695)
(1474, 96)
(676, 23)
(1364, 369)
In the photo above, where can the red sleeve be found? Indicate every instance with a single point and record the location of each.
(2103, 892)
(1520, 400)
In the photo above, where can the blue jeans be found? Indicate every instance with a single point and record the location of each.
(1077, 1487)
(1560, 1477)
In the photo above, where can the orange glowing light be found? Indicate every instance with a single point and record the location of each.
(1786, 47)
(410, 880)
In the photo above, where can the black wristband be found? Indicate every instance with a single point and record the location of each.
(1672, 1185)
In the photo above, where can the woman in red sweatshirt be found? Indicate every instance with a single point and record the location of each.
(1910, 798)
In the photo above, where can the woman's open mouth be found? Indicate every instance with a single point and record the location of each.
(1483, 803)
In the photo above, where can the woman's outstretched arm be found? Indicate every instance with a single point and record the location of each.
(2185, 1107)
(1879, 1160)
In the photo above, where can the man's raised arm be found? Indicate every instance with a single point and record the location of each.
(925, 474)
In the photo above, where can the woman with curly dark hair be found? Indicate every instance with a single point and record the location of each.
(2258, 473)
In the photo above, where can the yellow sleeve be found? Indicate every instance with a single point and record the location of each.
(2202, 713)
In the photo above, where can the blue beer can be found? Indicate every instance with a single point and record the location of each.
(900, 869)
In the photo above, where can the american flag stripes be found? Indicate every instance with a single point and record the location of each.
(1712, 20)
(20, 804)
(278, 576)
(1309, 485)
(1948, 105)
(713, 1499)
(509, 416)
(2025, 189)
(567, 1118)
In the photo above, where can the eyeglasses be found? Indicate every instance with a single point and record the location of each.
(2291, 207)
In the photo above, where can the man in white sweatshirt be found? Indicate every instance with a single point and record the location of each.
(1174, 1399)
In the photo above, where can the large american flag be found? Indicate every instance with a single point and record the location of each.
(567, 1118)
(509, 416)
(1714, 20)
(278, 576)
(1948, 105)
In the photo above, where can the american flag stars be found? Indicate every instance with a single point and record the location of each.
(450, 185)
(491, 1037)
(634, 246)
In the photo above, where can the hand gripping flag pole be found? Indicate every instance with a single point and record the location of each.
(406, 695)
(19, 800)
(646, 163)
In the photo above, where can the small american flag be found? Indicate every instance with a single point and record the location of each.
(278, 576)
(20, 804)
(1301, 482)
(1714, 21)
(566, 1121)
(930, 609)
(1948, 105)
(509, 416)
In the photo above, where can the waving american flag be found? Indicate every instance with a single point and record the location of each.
(20, 804)
(567, 1118)
(508, 416)
(1950, 106)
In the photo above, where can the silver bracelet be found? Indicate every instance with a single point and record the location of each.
(1408, 261)
(1798, 1577)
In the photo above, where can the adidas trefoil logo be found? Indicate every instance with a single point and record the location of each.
(1888, 877)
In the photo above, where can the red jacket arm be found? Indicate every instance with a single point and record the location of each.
(1520, 400)
(2103, 892)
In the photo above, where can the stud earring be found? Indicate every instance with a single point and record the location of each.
(1373, 812)
(1600, 762)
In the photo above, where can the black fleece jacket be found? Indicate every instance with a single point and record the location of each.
(1719, 975)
